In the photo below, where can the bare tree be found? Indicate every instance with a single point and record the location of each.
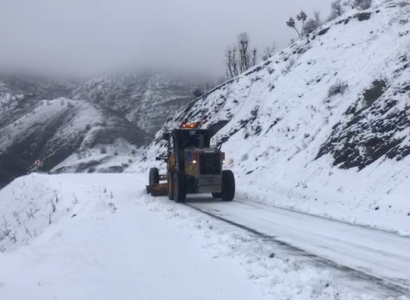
(292, 24)
(312, 24)
(239, 57)
(337, 7)
(317, 18)
(235, 60)
(243, 44)
(336, 10)
(362, 4)
(302, 16)
(229, 62)
(268, 51)
(254, 56)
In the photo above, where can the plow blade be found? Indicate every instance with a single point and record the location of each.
(157, 190)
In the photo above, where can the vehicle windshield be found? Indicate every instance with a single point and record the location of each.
(194, 139)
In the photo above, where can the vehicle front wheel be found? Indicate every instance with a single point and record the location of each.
(228, 185)
(153, 176)
(170, 178)
(179, 187)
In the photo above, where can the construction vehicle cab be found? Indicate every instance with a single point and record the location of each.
(193, 167)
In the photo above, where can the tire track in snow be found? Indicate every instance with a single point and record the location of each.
(392, 287)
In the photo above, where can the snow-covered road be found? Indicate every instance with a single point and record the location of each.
(100, 236)
(377, 253)
(103, 245)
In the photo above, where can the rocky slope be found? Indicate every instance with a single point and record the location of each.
(323, 126)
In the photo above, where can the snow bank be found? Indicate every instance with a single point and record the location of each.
(31, 204)
(297, 139)
(117, 251)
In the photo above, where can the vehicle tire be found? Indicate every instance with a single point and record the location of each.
(228, 185)
(153, 176)
(170, 188)
(216, 195)
(179, 187)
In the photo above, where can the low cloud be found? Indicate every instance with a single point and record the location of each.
(88, 37)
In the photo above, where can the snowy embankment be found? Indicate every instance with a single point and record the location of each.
(322, 127)
(99, 236)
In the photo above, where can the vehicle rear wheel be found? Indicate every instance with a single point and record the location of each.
(228, 185)
(170, 178)
(216, 195)
(153, 176)
(179, 187)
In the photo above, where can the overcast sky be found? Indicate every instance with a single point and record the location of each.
(87, 37)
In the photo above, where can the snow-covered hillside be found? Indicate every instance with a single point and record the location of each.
(146, 99)
(56, 129)
(36, 87)
(96, 126)
(322, 127)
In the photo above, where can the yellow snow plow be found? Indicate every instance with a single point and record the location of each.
(193, 167)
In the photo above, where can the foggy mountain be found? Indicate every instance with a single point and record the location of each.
(146, 100)
(50, 120)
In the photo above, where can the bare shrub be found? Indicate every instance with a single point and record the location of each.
(363, 4)
(336, 10)
(288, 66)
(403, 3)
(339, 87)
